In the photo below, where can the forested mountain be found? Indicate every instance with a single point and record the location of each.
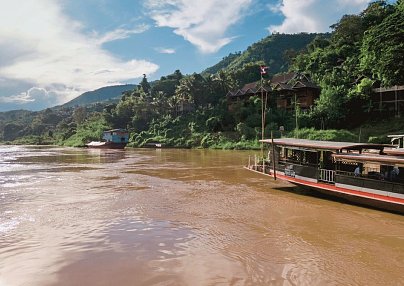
(276, 51)
(108, 93)
(14, 115)
(362, 52)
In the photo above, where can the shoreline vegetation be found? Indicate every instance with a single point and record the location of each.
(371, 133)
(363, 52)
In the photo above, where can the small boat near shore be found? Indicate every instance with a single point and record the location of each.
(111, 139)
(154, 145)
(358, 172)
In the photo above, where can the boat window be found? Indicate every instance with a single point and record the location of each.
(303, 157)
(311, 158)
(346, 166)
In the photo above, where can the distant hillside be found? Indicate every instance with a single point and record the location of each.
(15, 114)
(107, 93)
(274, 50)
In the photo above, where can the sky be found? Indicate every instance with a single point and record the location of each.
(51, 51)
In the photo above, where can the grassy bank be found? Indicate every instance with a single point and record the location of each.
(372, 132)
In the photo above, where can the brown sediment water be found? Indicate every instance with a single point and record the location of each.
(180, 217)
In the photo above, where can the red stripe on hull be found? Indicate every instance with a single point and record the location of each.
(397, 203)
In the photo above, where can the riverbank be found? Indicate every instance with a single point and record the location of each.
(225, 141)
(372, 132)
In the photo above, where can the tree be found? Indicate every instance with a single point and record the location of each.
(375, 13)
(193, 89)
(349, 30)
(329, 107)
(144, 84)
(381, 55)
(11, 131)
(167, 84)
(79, 114)
(223, 82)
(249, 73)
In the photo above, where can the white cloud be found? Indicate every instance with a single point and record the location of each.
(202, 23)
(314, 15)
(31, 95)
(42, 46)
(165, 50)
(35, 98)
(120, 33)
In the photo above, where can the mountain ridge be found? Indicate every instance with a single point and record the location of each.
(106, 93)
(273, 50)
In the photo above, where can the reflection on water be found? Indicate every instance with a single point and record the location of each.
(179, 217)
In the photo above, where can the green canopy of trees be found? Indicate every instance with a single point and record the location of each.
(362, 52)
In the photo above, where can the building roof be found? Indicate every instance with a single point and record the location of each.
(283, 78)
(282, 86)
(323, 145)
(304, 84)
(251, 85)
(249, 88)
(287, 81)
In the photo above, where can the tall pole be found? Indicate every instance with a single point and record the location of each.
(262, 118)
(273, 155)
(297, 123)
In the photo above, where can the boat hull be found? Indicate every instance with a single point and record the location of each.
(106, 145)
(349, 193)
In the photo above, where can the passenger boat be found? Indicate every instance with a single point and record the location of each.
(111, 139)
(368, 174)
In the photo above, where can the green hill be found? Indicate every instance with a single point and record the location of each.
(275, 50)
(15, 115)
(108, 93)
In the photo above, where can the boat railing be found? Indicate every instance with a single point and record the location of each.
(364, 181)
(326, 175)
(259, 164)
(371, 174)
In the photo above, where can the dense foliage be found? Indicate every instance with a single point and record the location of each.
(276, 51)
(362, 52)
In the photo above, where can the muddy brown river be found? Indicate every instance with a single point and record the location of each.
(180, 217)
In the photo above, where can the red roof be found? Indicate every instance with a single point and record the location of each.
(323, 145)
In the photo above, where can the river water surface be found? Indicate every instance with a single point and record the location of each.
(180, 217)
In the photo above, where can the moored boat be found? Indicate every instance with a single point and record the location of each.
(359, 172)
(111, 139)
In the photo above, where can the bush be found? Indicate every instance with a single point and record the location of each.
(323, 135)
(382, 139)
(245, 131)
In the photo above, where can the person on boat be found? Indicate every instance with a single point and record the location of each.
(394, 173)
(357, 171)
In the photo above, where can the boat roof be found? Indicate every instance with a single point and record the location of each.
(394, 151)
(324, 145)
(367, 157)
